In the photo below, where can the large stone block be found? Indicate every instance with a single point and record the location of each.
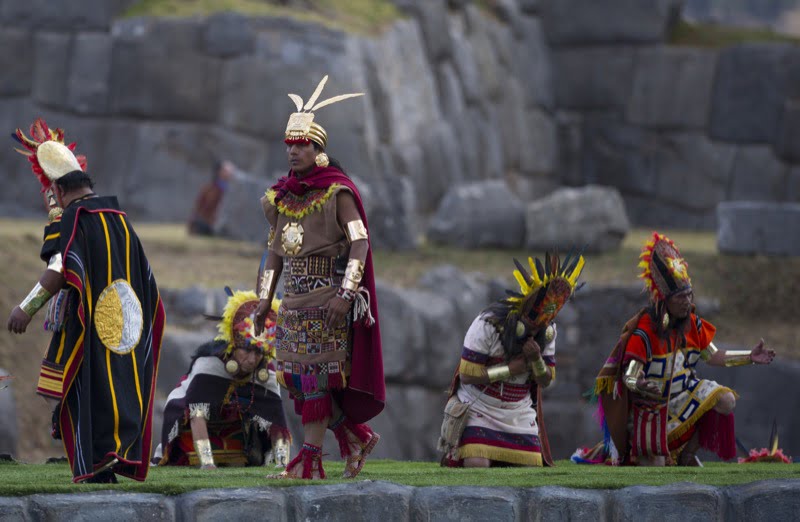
(241, 215)
(464, 59)
(16, 61)
(432, 18)
(538, 143)
(765, 500)
(64, 16)
(51, 68)
(157, 72)
(787, 145)
(89, 73)
(177, 349)
(751, 84)
(532, 64)
(228, 34)
(443, 166)
(593, 78)
(468, 292)
(672, 503)
(479, 215)
(766, 228)
(591, 217)
(571, 22)
(13, 509)
(557, 503)
(8, 411)
(757, 175)
(94, 507)
(672, 88)
(367, 501)
(269, 504)
(465, 504)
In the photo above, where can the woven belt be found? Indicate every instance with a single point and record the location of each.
(304, 274)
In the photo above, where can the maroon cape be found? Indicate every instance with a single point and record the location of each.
(365, 395)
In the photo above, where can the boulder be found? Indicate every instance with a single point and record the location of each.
(469, 293)
(360, 501)
(757, 175)
(672, 88)
(51, 68)
(465, 503)
(765, 228)
(241, 215)
(432, 18)
(89, 73)
(764, 500)
(593, 78)
(479, 215)
(591, 217)
(177, 349)
(681, 501)
(532, 64)
(557, 503)
(751, 84)
(787, 144)
(67, 16)
(8, 412)
(228, 34)
(538, 143)
(95, 506)
(216, 504)
(575, 22)
(17, 61)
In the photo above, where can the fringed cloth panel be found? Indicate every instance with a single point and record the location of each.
(511, 448)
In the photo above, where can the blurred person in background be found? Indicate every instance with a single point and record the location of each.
(204, 215)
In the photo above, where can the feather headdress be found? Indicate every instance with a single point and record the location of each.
(664, 271)
(301, 125)
(50, 158)
(236, 326)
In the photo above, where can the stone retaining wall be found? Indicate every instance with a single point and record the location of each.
(369, 501)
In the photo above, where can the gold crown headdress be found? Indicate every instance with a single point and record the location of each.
(301, 125)
(236, 325)
(50, 158)
(664, 271)
(545, 289)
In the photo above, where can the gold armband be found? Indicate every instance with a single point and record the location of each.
(35, 300)
(632, 375)
(539, 368)
(353, 274)
(737, 358)
(204, 453)
(709, 352)
(267, 278)
(356, 231)
(56, 263)
(498, 373)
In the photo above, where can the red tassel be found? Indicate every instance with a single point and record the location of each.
(717, 434)
(341, 437)
(315, 410)
(362, 432)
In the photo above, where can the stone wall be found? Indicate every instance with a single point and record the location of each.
(371, 500)
(532, 94)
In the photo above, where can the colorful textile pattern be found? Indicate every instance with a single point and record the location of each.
(502, 423)
(306, 274)
(649, 433)
(241, 415)
(297, 206)
(106, 393)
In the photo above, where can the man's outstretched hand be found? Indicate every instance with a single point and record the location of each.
(762, 355)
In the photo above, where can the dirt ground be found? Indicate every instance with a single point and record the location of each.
(756, 294)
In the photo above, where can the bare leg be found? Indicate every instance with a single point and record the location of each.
(477, 462)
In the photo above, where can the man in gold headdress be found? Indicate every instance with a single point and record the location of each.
(655, 408)
(327, 340)
(105, 313)
(227, 410)
(508, 357)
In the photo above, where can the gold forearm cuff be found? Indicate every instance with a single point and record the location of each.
(356, 231)
(498, 373)
(353, 274)
(56, 263)
(539, 368)
(267, 278)
(709, 352)
(632, 375)
(737, 358)
(204, 453)
(35, 300)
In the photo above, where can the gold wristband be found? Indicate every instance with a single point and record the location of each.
(204, 453)
(498, 373)
(35, 300)
(267, 278)
(539, 368)
(737, 358)
(356, 231)
(632, 375)
(353, 274)
(709, 352)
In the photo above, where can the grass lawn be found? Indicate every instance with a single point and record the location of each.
(27, 479)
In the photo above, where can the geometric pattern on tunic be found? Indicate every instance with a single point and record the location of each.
(305, 274)
(302, 332)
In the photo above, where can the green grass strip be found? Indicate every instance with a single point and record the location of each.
(27, 479)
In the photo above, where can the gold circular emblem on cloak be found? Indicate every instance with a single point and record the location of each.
(292, 238)
(118, 317)
(263, 375)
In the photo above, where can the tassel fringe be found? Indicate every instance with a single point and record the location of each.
(361, 308)
(315, 410)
